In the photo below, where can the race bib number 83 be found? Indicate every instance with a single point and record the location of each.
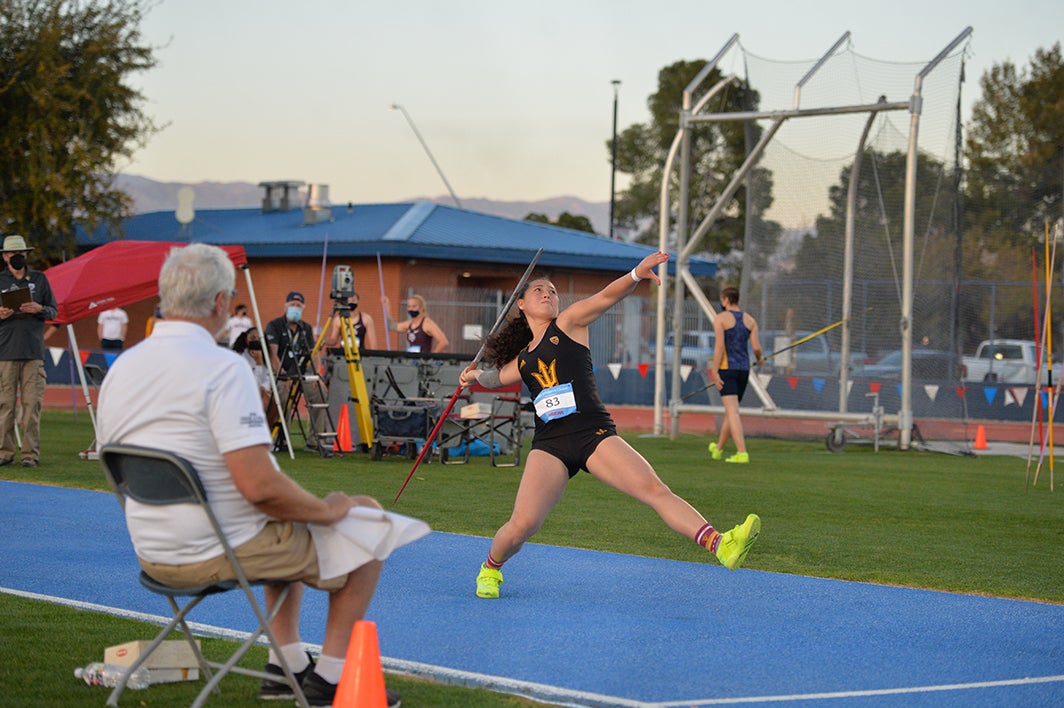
(555, 402)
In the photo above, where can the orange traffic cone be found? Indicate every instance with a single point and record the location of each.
(980, 438)
(362, 682)
(342, 443)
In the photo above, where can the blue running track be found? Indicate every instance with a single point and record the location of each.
(579, 627)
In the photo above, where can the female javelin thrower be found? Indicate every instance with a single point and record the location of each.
(549, 351)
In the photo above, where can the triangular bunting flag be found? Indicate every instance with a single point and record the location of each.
(873, 386)
(1045, 399)
(84, 356)
(765, 379)
(57, 354)
(615, 369)
(110, 357)
(685, 371)
(1019, 395)
(643, 369)
(931, 390)
(898, 387)
(793, 381)
(849, 388)
(961, 390)
(990, 392)
(818, 384)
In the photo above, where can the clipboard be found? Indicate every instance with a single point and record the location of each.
(13, 299)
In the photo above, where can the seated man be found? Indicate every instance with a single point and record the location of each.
(204, 406)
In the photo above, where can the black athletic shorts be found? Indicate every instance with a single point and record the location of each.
(734, 382)
(575, 449)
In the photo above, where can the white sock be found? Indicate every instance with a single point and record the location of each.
(330, 668)
(294, 654)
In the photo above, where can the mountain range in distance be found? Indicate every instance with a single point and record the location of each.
(150, 196)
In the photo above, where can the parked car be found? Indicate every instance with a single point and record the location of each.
(696, 348)
(1013, 361)
(810, 358)
(927, 365)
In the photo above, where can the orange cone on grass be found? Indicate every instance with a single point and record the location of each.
(342, 443)
(980, 438)
(362, 682)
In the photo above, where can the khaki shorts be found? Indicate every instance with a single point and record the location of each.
(281, 551)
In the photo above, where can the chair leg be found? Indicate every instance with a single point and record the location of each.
(178, 619)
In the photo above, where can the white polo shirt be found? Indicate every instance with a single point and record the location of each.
(179, 391)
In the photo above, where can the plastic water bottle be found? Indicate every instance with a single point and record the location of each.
(100, 674)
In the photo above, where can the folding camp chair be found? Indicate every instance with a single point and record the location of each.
(157, 477)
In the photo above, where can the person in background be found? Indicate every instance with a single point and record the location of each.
(421, 331)
(111, 326)
(22, 373)
(735, 334)
(548, 351)
(156, 316)
(249, 346)
(238, 323)
(204, 407)
(291, 342)
(361, 323)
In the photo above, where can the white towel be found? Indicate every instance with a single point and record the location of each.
(363, 535)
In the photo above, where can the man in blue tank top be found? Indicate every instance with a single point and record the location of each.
(736, 333)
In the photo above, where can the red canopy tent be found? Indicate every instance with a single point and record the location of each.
(112, 275)
(115, 274)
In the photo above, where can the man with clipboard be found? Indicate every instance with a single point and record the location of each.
(26, 303)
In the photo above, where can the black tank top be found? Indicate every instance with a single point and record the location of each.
(557, 359)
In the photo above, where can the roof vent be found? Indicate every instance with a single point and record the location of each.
(317, 209)
(280, 195)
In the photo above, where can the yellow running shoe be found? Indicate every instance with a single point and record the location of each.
(715, 452)
(739, 457)
(488, 582)
(734, 544)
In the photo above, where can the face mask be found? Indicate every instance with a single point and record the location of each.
(255, 346)
(294, 314)
(18, 261)
(413, 313)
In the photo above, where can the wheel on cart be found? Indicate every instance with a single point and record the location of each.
(411, 451)
(376, 452)
(835, 440)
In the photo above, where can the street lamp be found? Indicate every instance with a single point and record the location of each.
(613, 170)
(397, 107)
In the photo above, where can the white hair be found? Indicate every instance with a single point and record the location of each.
(190, 279)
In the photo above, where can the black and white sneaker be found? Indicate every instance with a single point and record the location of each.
(320, 692)
(279, 690)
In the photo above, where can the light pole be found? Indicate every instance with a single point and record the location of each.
(397, 107)
(613, 168)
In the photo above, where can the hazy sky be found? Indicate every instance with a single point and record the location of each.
(513, 98)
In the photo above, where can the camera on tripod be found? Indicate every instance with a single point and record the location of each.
(343, 284)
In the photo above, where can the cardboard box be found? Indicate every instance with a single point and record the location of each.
(475, 411)
(173, 660)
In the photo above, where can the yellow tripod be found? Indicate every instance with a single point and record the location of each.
(355, 374)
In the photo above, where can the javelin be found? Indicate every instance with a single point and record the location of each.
(380, 277)
(814, 335)
(476, 360)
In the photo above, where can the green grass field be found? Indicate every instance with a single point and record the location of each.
(913, 519)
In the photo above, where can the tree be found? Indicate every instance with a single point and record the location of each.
(67, 115)
(717, 149)
(1015, 153)
(565, 220)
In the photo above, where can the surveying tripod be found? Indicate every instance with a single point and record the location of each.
(359, 394)
(305, 384)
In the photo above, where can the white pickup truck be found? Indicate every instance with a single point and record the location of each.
(1013, 361)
